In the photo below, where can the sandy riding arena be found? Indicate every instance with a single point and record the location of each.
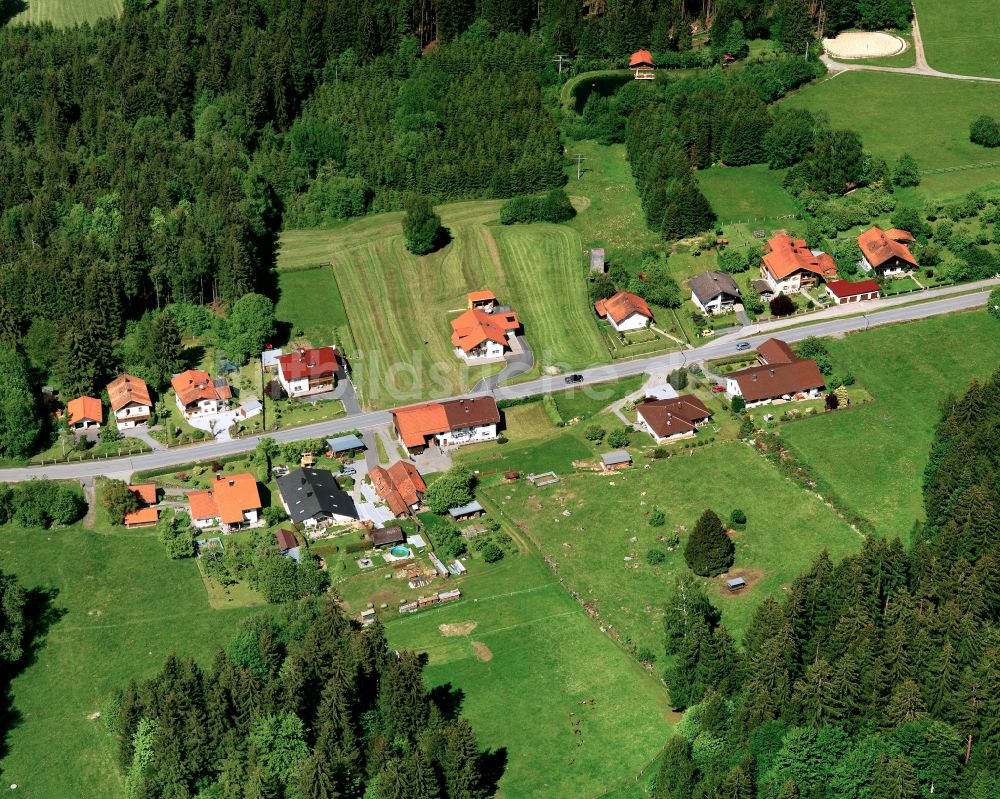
(860, 44)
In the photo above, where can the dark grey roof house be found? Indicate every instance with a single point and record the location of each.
(312, 497)
(714, 291)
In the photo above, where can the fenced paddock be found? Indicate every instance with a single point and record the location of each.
(543, 479)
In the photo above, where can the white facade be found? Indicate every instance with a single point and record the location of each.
(870, 295)
(634, 321)
(293, 388)
(488, 350)
(205, 407)
(131, 415)
(85, 424)
(733, 390)
(720, 302)
(790, 285)
(249, 517)
(645, 427)
(468, 435)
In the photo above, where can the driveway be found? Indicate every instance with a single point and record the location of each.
(432, 459)
(218, 424)
(370, 506)
(520, 360)
(142, 433)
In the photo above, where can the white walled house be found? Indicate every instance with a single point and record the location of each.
(130, 401)
(447, 424)
(199, 395)
(843, 292)
(624, 311)
(789, 265)
(231, 503)
(312, 498)
(308, 371)
(714, 292)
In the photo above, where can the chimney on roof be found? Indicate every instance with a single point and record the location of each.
(772, 373)
(753, 376)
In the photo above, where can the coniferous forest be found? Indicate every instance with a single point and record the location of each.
(309, 707)
(879, 676)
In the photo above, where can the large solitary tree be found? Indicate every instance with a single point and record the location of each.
(421, 225)
(709, 550)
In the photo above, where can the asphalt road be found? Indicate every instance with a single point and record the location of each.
(716, 348)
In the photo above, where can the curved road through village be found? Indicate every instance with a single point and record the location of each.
(831, 322)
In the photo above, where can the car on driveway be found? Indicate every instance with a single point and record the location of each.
(718, 389)
(574, 378)
(742, 345)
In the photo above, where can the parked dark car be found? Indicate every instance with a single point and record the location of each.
(574, 378)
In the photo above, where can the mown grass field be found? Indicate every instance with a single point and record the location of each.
(399, 306)
(961, 36)
(930, 119)
(874, 457)
(309, 303)
(64, 13)
(122, 607)
(528, 671)
(608, 522)
(746, 193)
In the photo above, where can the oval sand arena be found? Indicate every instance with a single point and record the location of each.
(862, 44)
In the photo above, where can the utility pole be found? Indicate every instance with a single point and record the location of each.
(579, 160)
(559, 60)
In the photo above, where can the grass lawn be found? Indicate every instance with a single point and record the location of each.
(310, 307)
(534, 670)
(399, 305)
(961, 36)
(746, 193)
(123, 607)
(609, 213)
(64, 13)
(600, 547)
(930, 120)
(874, 456)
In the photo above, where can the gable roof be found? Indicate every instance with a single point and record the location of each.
(785, 256)
(774, 350)
(308, 363)
(474, 327)
(228, 499)
(845, 288)
(762, 286)
(145, 515)
(285, 539)
(126, 390)
(466, 509)
(482, 296)
(616, 457)
(878, 246)
(85, 409)
(401, 486)
(709, 285)
(417, 423)
(145, 491)
(641, 58)
(314, 492)
(270, 357)
(672, 416)
(194, 385)
(393, 534)
(621, 306)
(776, 380)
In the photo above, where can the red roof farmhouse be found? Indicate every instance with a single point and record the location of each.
(84, 412)
(130, 402)
(483, 332)
(625, 311)
(308, 371)
(782, 376)
(885, 251)
(642, 62)
(446, 424)
(232, 502)
(789, 264)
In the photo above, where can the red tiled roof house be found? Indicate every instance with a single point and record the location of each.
(671, 419)
(642, 62)
(232, 502)
(781, 377)
(400, 486)
(843, 292)
(625, 311)
(308, 371)
(130, 401)
(84, 413)
(480, 336)
(198, 394)
(885, 251)
(789, 264)
(446, 424)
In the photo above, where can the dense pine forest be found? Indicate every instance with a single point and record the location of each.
(879, 676)
(309, 707)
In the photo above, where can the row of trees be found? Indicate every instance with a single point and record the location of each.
(877, 676)
(306, 706)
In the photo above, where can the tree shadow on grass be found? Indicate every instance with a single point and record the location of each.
(448, 700)
(40, 613)
(442, 238)
(492, 764)
(11, 9)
